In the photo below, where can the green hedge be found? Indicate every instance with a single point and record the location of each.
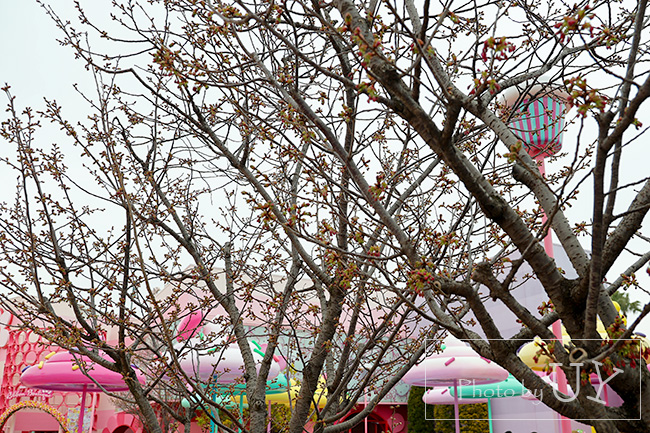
(417, 422)
(473, 418)
(474, 414)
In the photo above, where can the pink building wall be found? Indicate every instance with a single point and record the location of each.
(22, 348)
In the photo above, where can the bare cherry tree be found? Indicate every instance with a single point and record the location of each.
(364, 147)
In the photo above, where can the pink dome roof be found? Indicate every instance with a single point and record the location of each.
(456, 362)
(62, 373)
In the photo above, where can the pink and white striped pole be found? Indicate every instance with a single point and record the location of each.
(539, 123)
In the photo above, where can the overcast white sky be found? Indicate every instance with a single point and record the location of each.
(36, 66)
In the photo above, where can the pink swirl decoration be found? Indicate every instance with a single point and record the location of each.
(190, 326)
